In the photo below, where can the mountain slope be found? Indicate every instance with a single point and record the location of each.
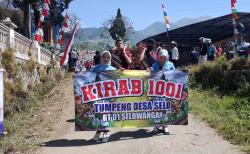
(94, 34)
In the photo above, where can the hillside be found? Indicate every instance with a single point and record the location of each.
(94, 34)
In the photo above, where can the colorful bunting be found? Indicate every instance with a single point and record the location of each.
(44, 12)
(65, 26)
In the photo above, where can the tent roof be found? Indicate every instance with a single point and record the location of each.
(217, 29)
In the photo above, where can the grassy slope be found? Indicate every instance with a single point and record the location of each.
(230, 116)
(23, 128)
(19, 137)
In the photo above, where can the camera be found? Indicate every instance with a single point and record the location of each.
(205, 40)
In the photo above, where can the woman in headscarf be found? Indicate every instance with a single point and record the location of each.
(163, 62)
(103, 127)
(105, 63)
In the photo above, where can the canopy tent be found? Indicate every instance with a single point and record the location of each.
(187, 37)
(217, 29)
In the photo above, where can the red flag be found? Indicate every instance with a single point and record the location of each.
(39, 35)
(45, 12)
(65, 57)
(47, 1)
(233, 2)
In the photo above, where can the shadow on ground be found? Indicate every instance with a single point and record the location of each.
(127, 135)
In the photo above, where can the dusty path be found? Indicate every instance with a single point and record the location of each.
(197, 137)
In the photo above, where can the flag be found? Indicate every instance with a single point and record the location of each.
(165, 17)
(234, 17)
(65, 26)
(65, 57)
(234, 10)
(39, 35)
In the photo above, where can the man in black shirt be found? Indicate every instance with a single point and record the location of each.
(203, 52)
(97, 58)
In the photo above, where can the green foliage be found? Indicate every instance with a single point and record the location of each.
(229, 115)
(56, 9)
(30, 66)
(231, 77)
(8, 61)
(16, 140)
(240, 63)
(118, 29)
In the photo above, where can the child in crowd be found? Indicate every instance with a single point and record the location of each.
(104, 66)
(165, 65)
(163, 62)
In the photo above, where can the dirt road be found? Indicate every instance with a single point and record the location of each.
(196, 138)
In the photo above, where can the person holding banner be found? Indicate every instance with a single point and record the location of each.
(104, 66)
(105, 63)
(163, 62)
(165, 65)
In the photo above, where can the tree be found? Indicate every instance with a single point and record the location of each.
(119, 27)
(25, 6)
(56, 8)
(17, 18)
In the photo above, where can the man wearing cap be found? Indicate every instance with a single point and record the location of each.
(175, 53)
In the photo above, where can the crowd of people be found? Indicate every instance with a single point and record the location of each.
(210, 52)
(144, 56)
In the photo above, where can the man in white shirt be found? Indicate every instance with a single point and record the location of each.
(175, 53)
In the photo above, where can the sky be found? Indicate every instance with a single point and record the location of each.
(145, 12)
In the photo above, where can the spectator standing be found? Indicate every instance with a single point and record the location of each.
(211, 52)
(150, 53)
(174, 53)
(203, 53)
(97, 58)
(121, 56)
(195, 56)
(219, 51)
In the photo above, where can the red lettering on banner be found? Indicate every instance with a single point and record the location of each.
(123, 87)
(159, 88)
(179, 91)
(88, 92)
(109, 87)
(136, 87)
(133, 87)
(162, 88)
(170, 89)
(151, 87)
(99, 89)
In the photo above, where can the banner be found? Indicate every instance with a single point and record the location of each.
(130, 99)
